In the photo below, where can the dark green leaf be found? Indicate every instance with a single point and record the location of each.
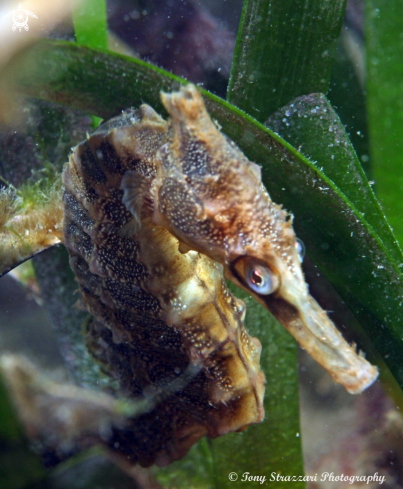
(18, 465)
(310, 124)
(284, 50)
(9, 426)
(384, 28)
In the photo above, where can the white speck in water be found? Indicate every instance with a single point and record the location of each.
(375, 13)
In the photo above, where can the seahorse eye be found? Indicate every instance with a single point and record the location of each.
(260, 278)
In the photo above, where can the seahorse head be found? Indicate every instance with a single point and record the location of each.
(212, 198)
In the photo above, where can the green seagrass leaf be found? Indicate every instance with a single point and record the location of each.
(311, 124)
(89, 17)
(284, 50)
(384, 59)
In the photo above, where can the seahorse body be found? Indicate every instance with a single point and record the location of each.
(165, 325)
(155, 212)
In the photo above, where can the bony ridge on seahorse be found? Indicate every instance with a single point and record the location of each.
(210, 196)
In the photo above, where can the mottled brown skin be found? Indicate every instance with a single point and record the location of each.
(165, 325)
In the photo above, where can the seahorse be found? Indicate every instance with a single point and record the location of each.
(157, 214)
